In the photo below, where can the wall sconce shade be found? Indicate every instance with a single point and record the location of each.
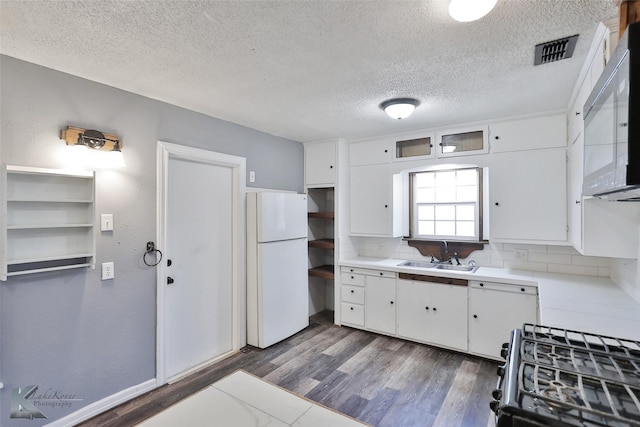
(399, 108)
(96, 141)
(91, 138)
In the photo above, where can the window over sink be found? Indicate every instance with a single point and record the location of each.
(447, 204)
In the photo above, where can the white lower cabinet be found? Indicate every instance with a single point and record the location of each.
(380, 306)
(434, 313)
(495, 309)
(352, 296)
(465, 315)
(352, 314)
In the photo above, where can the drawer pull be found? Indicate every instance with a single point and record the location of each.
(352, 291)
(435, 309)
(522, 289)
(427, 308)
(391, 302)
(475, 316)
(351, 308)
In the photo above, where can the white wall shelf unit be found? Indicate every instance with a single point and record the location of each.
(47, 220)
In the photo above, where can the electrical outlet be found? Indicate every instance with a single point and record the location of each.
(522, 254)
(108, 271)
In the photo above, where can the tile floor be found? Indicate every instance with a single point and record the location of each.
(242, 400)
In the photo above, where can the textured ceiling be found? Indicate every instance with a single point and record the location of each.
(312, 70)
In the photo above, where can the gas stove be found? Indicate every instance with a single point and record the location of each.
(558, 377)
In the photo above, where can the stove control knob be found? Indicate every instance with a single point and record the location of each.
(501, 370)
(494, 405)
(497, 394)
(504, 352)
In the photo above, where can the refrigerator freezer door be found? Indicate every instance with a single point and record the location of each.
(283, 293)
(281, 216)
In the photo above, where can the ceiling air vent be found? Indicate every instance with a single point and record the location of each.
(555, 50)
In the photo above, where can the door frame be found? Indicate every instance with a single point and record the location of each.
(164, 151)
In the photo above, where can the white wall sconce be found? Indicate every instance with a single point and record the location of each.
(470, 10)
(399, 108)
(109, 144)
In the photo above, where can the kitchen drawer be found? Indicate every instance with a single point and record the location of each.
(352, 314)
(367, 272)
(353, 279)
(504, 287)
(353, 294)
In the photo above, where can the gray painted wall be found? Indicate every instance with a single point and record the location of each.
(69, 331)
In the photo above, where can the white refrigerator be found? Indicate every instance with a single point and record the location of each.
(277, 275)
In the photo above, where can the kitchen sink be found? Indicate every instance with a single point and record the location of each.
(420, 264)
(470, 268)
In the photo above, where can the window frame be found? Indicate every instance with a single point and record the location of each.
(479, 203)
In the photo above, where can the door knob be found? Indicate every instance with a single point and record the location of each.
(170, 280)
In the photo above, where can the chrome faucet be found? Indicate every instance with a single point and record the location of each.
(444, 249)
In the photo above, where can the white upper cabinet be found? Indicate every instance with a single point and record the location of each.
(462, 141)
(375, 201)
(528, 196)
(575, 117)
(320, 163)
(418, 147)
(529, 134)
(374, 152)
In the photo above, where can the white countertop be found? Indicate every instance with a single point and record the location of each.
(583, 303)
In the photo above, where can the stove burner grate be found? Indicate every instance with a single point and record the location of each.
(577, 399)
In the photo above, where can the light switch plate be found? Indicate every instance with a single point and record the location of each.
(252, 176)
(106, 222)
(108, 271)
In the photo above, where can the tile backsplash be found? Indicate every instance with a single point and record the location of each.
(553, 259)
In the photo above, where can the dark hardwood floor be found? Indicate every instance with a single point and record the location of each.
(382, 381)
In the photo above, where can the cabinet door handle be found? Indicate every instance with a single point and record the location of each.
(386, 151)
(577, 113)
(427, 308)
(391, 302)
(522, 289)
(481, 285)
(386, 206)
(331, 167)
(170, 280)
(497, 203)
(475, 316)
(352, 290)
(496, 137)
(351, 308)
(435, 309)
(577, 202)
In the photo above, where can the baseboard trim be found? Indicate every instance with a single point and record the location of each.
(102, 405)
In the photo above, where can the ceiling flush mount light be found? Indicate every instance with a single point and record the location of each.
(399, 108)
(98, 141)
(470, 10)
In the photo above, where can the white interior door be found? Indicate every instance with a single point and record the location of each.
(198, 295)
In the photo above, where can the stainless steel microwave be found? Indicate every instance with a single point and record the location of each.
(612, 125)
